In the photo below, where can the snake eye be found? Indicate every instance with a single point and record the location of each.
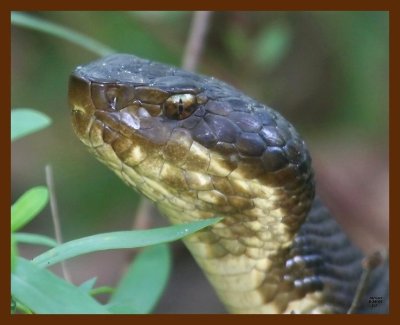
(180, 106)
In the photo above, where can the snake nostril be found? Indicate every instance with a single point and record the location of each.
(111, 96)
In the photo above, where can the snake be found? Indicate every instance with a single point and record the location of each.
(199, 148)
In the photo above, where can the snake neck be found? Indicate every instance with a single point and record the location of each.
(318, 272)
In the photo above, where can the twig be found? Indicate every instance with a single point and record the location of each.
(55, 215)
(143, 214)
(369, 263)
(195, 42)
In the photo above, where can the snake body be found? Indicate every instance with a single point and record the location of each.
(199, 148)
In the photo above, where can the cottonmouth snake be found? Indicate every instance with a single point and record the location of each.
(199, 148)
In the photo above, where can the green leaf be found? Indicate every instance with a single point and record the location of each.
(25, 121)
(28, 206)
(27, 21)
(34, 239)
(118, 240)
(143, 283)
(45, 293)
(88, 284)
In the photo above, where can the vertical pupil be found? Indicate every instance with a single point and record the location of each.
(180, 106)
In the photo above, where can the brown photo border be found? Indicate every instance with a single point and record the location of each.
(349, 5)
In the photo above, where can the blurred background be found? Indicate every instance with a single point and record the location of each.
(326, 72)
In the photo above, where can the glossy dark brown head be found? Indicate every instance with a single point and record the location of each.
(138, 113)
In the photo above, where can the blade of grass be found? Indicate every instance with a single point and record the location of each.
(25, 121)
(119, 240)
(41, 25)
(88, 284)
(28, 206)
(143, 283)
(45, 293)
(34, 239)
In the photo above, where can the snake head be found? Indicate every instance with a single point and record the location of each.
(187, 140)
